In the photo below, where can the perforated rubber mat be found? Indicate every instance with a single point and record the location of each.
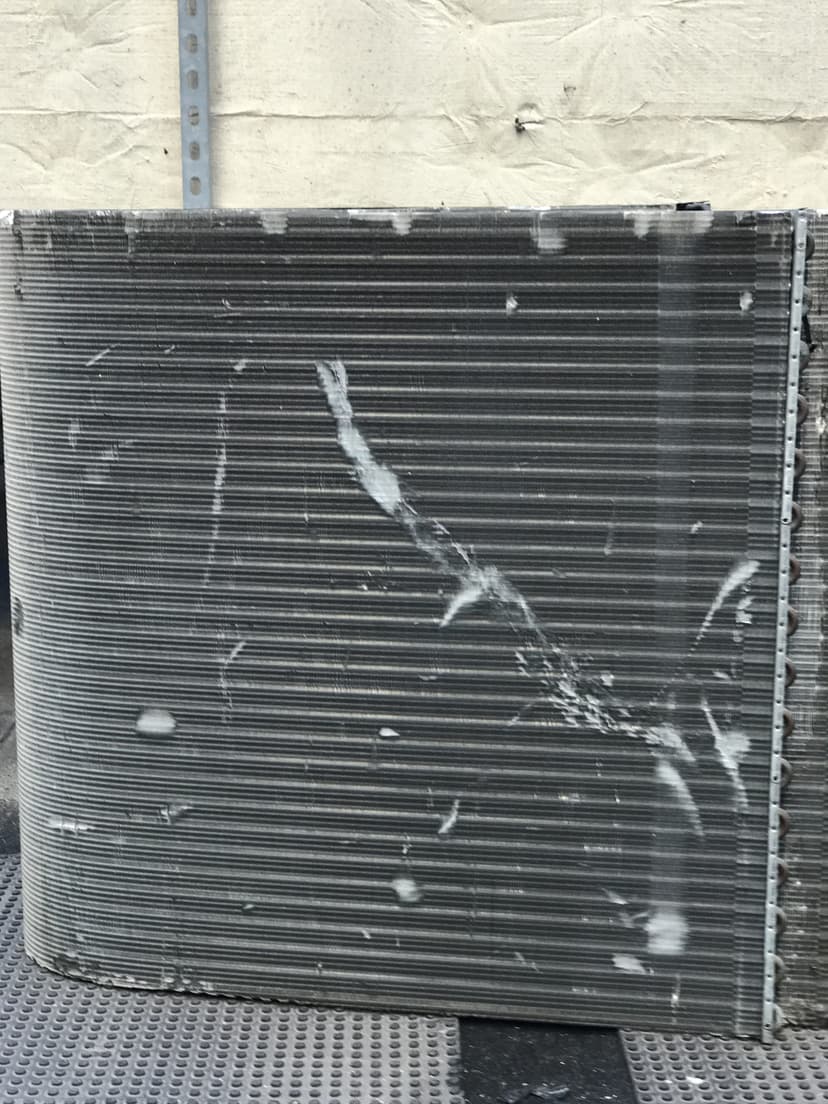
(690, 1069)
(69, 1042)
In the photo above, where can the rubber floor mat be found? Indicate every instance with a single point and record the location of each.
(70, 1042)
(691, 1069)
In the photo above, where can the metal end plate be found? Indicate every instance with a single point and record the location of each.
(690, 1069)
(69, 1042)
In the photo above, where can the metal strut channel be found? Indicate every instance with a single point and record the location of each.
(769, 1011)
(195, 103)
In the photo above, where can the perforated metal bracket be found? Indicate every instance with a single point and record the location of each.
(770, 1017)
(195, 103)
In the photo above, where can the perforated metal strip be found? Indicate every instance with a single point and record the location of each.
(690, 1069)
(195, 103)
(69, 1042)
(770, 1019)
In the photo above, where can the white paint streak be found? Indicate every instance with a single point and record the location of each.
(449, 820)
(223, 682)
(511, 304)
(616, 898)
(667, 736)
(407, 890)
(99, 356)
(610, 541)
(731, 747)
(218, 487)
(739, 575)
(668, 774)
(274, 222)
(377, 480)
(73, 432)
(745, 301)
(675, 996)
(69, 826)
(666, 931)
(629, 964)
(387, 733)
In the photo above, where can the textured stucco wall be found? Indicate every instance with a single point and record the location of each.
(362, 102)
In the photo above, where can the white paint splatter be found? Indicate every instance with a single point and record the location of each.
(400, 219)
(156, 722)
(643, 219)
(69, 826)
(366, 934)
(675, 996)
(387, 733)
(629, 964)
(739, 575)
(667, 773)
(696, 527)
(548, 239)
(743, 616)
(745, 301)
(722, 676)
(511, 304)
(407, 890)
(610, 541)
(274, 222)
(99, 356)
(608, 678)
(695, 1080)
(240, 365)
(548, 663)
(73, 432)
(699, 221)
(666, 931)
(218, 487)
(170, 813)
(731, 747)
(449, 820)
(616, 898)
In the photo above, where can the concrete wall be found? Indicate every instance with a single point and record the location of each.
(363, 102)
